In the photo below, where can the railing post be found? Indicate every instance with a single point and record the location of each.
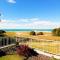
(2, 42)
(7, 40)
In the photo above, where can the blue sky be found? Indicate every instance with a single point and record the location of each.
(32, 14)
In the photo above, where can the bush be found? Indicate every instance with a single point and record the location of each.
(40, 33)
(2, 33)
(32, 33)
(26, 51)
(56, 32)
(2, 53)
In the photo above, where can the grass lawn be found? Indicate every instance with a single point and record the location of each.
(12, 57)
(51, 47)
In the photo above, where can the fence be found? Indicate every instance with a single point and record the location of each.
(6, 41)
(50, 46)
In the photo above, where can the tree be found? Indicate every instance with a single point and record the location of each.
(26, 51)
(2, 33)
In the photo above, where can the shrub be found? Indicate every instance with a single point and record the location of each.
(26, 51)
(56, 32)
(32, 33)
(40, 33)
(2, 33)
(2, 53)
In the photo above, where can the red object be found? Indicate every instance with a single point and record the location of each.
(22, 50)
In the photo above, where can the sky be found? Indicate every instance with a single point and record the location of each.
(29, 14)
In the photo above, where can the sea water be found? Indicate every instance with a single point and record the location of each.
(27, 30)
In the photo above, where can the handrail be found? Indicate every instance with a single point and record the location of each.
(7, 46)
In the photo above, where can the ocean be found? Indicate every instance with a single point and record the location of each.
(27, 30)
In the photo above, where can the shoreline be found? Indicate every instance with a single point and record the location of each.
(28, 31)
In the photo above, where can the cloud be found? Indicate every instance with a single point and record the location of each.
(27, 20)
(32, 23)
(11, 1)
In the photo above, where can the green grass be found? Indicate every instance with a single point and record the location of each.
(12, 57)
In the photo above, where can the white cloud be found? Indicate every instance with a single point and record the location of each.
(11, 1)
(29, 23)
(27, 20)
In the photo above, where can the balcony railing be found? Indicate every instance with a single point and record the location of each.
(6, 41)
